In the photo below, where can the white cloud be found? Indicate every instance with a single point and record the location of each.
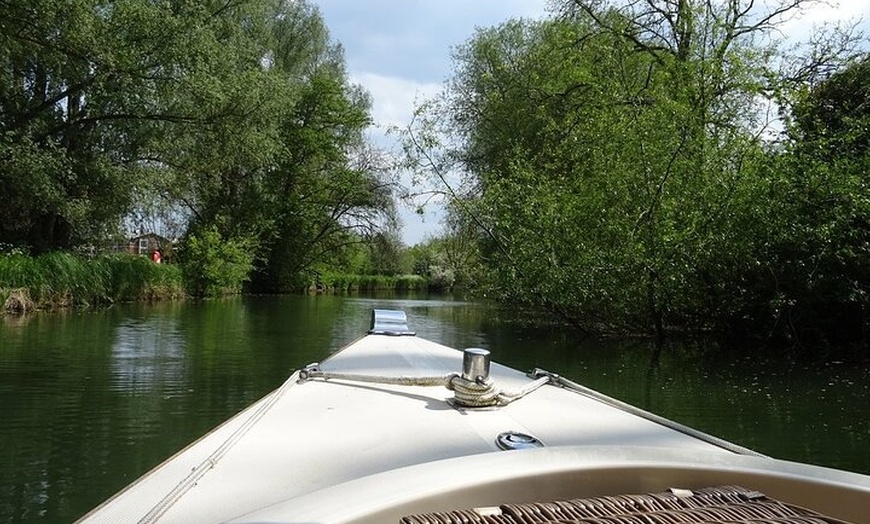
(417, 227)
(393, 102)
(843, 10)
(799, 27)
(393, 98)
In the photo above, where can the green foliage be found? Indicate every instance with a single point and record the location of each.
(449, 261)
(386, 254)
(820, 246)
(341, 282)
(131, 277)
(832, 118)
(617, 172)
(236, 116)
(60, 279)
(78, 97)
(213, 265)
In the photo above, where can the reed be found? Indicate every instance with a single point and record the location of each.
(61, 280)
(343, 282)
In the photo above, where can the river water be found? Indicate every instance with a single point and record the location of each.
(91, 400)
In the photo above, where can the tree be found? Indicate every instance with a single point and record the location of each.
(821, 241)
(89, 92)
(286, 168)
(836, 111)
(235, 117)
(328, 188)
(387, 254)
(615, 157)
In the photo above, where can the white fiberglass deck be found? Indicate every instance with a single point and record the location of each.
(308, 436)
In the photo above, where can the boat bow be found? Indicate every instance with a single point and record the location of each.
(381, 428)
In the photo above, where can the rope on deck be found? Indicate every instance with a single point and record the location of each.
(210, 462)
(467, 393)
(634, 410)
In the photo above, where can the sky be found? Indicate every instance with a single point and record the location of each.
(400, 51)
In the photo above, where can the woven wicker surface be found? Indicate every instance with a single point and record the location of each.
(725, 505)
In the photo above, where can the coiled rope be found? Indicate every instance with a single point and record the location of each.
(478, 393)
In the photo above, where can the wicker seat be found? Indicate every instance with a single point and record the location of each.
(725, 505)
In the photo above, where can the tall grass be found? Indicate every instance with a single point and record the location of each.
(342, 282)
(137, 278)
(61, 279)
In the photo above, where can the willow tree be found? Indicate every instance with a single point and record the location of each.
(327, 187)
(697, 158)
(91, 93)
(237, 117)
(59, 62)
(282, 164)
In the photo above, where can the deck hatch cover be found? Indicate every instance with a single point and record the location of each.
(515, 440)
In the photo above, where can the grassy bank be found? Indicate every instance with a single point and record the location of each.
(340, 282)
(57, 280)
(62, 280)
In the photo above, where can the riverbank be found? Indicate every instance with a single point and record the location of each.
(348, 283)
(61, 280)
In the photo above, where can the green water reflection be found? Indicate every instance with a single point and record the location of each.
(91, 400)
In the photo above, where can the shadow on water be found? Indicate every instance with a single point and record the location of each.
(92, 400)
